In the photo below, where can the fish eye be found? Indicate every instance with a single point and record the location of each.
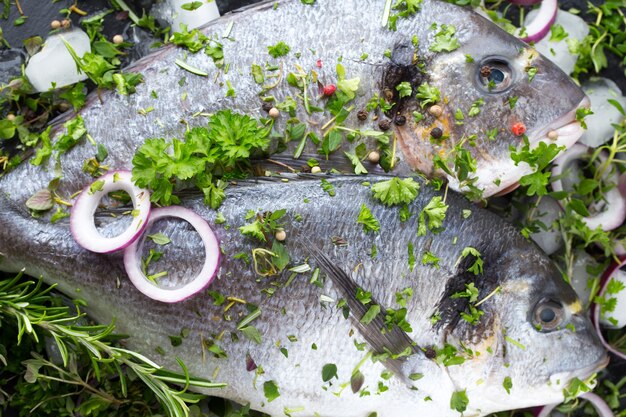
(494, 75)
(548, 315)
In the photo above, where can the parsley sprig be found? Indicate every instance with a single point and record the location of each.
(205, 156)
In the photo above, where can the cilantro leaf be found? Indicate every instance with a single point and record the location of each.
(396, 191)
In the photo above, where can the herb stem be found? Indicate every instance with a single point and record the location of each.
(19, 8)
(281, 164)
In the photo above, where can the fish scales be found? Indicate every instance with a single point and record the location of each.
(523, 274)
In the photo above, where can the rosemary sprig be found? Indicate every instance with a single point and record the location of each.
(35, 312)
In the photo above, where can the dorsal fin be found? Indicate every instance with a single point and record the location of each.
(395, 342)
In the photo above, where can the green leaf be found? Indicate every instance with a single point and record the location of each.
(329, 371)
(7, 129)
(459, 401)
(40, 201)
(367, 219)
(278, 50)
(507, 384)
(371, 314)
(445, 39)
(281, 256)
(191, 5)
(396, 191)
(557, 33)
(254, 230)
(428, 94)
(536, 183)
(435, 211)
(251, 333)
(257, 74)
(356, 163)
(404, 89)
(159, 239)
(328, 187)
(270, 389)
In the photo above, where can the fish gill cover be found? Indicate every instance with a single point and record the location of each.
(332, 298)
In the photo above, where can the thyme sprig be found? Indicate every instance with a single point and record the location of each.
(36, 312)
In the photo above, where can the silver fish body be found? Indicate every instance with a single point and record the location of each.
(304, 318)
(301, 317)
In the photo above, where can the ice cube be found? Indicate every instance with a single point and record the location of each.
(53, 66)
(173, 12)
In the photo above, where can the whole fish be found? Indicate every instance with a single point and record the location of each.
(532, 331)
(529, 337)
(489, 82)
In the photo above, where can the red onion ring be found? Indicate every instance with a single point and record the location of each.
(614, 212)
(82, 224)
(539, 27)
(595, 309)
(132, 261)
(598, 403)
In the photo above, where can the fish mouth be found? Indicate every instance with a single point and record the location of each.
(560, 379)
(568, 130)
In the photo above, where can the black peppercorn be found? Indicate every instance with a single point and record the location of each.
(267, 106)
(362, 115)
(384, 124)
(399, 120)
(436, 133)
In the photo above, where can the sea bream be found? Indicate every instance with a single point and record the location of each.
(472, 317)
(483, 82)
(530, 337)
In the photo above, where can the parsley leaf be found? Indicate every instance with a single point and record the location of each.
(404, 89)
(278, 50)
(435, 210)
(428, 94)
(367, 219)
(557, 33)
(459, 401)
(396, 191)
(445, 40)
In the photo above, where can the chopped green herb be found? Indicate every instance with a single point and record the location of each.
(367, 219)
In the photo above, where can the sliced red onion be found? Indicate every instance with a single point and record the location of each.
(598, 403)
(612, 213)
(595, 311)
(132, 259)
(82, 225)
(539, 27)
(563, 161)
(545, 410)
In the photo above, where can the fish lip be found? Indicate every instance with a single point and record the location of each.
(569, 129)
(560, 379)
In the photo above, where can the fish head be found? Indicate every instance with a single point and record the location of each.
(493, 88)
(541, 338)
